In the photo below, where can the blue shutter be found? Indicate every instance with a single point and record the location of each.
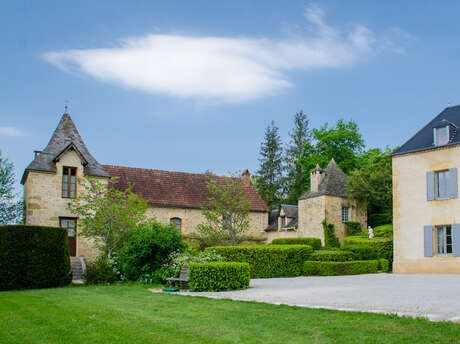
(430, 186)
(428, 240)
(456, 239)
(452, 187)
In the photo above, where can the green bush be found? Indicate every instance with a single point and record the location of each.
(353, 228)
(361, 252)
(146, 249)
(33, 257)
(330, 240)
(340, 268)
(384, 231)
(313, 242)
(267, 260)
(177, 260)
(332, 256)
(383, 246)
(375, 220)
(384, 265)
(217, 276)
(101, 271)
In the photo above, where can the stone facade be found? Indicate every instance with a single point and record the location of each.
(412, 211)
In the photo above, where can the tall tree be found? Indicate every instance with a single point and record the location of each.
(270, 174)
(300, 139)
(11, 209)
(227, 211)
(108, 214)
(343, 142)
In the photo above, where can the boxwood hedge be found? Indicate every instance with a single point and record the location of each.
(361, 252)
(33, 257)
(340, 268)
(384, 265)
(383, 246)
(332, 256)
(217, 276)
(267, 260)
(313, 242)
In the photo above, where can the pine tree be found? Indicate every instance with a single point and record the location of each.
(270, 174)
(296, 183)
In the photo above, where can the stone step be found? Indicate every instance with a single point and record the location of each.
(77, 268)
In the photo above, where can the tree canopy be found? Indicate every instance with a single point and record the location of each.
(11, 209)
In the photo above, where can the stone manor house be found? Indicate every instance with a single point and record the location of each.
(50, 182)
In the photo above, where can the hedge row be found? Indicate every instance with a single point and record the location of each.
(313, 242)
(384, 265)
(361, 252)
(332, 256)
(383, 246)
(340, 268)
(267, 260)
(352, 228)
(33, 257)
(217, 276)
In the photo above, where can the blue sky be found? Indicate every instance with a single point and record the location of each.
(192, 85)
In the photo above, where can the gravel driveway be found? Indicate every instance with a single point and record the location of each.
(434, 296)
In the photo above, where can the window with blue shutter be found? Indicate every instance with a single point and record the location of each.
(456, 239)
(452, 187)
(430, 185)
(428, 241)
(441, 184)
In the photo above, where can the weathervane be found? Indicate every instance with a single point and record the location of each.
(66, 107)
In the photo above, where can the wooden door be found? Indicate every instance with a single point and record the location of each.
(71, 225)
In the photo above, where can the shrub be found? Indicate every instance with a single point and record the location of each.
(361, 252)
(101, 271)
(383, 246)
(375, 220)
(177, 260)
(385, 231)
(330, 239)
(33, 257)
(332, 256)
(267, 260)
(353, 228)
(315, 243)
(218, 276)
(384, 265)
(147, 248)
(340, 268)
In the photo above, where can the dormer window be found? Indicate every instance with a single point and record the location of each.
(441, 135)
(69, 182)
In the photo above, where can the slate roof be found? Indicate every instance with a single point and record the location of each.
(333, 184)
(174, 189)
(424, 138)
(290, 211)
(65, 137)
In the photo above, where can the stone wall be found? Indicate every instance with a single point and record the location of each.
(312, 212)
(412, 211)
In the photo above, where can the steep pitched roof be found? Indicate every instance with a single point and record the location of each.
(175, 189)
(424, 138)
(333, 184)
(65, 137)
(290, 211)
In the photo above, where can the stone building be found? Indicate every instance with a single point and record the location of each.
(426, 207)
(50, 183)
(326, 199)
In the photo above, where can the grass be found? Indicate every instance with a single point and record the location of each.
(131, 314)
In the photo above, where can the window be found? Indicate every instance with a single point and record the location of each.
(345, 214)
(443, 240)
(69, 223)
(69, 182)
(176, 223)
(441, 180)
(441, 136)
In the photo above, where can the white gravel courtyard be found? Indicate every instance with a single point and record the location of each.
(434, 296)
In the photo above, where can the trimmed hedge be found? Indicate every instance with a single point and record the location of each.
(352, 228)
(379, 219)
(217, 276)
(312, 268)
(33, 257)
(313, 242)
(361, 252)
(384, 265)
(331, 256)
(384, 231)
(267, 260)
(383, 246)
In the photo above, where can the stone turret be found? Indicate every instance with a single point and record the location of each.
(316, 177)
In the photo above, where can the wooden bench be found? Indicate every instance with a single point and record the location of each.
(182, 279)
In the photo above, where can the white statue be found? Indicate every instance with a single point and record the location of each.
(371, 232)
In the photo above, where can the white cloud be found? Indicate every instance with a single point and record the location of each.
(11, 131)
(219, 69)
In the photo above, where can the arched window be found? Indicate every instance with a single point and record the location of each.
(176, 223)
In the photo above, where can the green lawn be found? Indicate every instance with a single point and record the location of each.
(131, 314)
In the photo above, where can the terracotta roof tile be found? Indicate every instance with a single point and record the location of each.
(175, 189)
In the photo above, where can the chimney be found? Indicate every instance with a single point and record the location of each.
(316, 177)
(246, 177)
